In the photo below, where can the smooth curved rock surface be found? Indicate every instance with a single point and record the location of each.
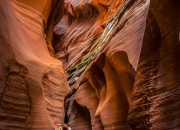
(119, 90)
(121, 58)
(32, 83)
(104, 88)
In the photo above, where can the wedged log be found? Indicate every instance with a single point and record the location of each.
(155, 101)
(32, 83)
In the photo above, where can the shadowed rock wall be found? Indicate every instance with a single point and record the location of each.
(101, 92)
(134, 84)
(121, 58)
(155, 99)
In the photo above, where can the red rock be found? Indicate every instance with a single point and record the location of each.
(121, 57)
(32, 83)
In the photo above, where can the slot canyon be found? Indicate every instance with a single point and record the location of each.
(92, 64)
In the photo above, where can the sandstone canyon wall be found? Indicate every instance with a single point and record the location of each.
(121, 58)
(32, 83)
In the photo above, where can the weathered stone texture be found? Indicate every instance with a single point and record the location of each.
(122, 57)
(33, 84)
(155, 98)
(135, 82)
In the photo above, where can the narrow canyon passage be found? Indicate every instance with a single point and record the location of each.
(119, 72)
(92, 64)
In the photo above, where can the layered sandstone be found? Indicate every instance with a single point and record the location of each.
(32, 83)
(101, 89)
(120, 57)
(133, 82)
(155, 99)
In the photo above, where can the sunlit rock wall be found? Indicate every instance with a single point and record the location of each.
(134, 84)
(121, 58)
(32, 83)
(101, 94)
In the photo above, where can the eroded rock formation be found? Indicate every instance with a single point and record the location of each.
(103, 90)
(121, 87)
(121, 58)
(155, 99)
(32, 83)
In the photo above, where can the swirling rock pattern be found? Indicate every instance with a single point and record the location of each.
(101, 95)
(135, 83)
(32, 84)
(132, 80)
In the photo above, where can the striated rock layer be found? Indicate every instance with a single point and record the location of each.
(121, 57)
(101, 93)
(32, 83)
(155, 103)
(133, 82)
